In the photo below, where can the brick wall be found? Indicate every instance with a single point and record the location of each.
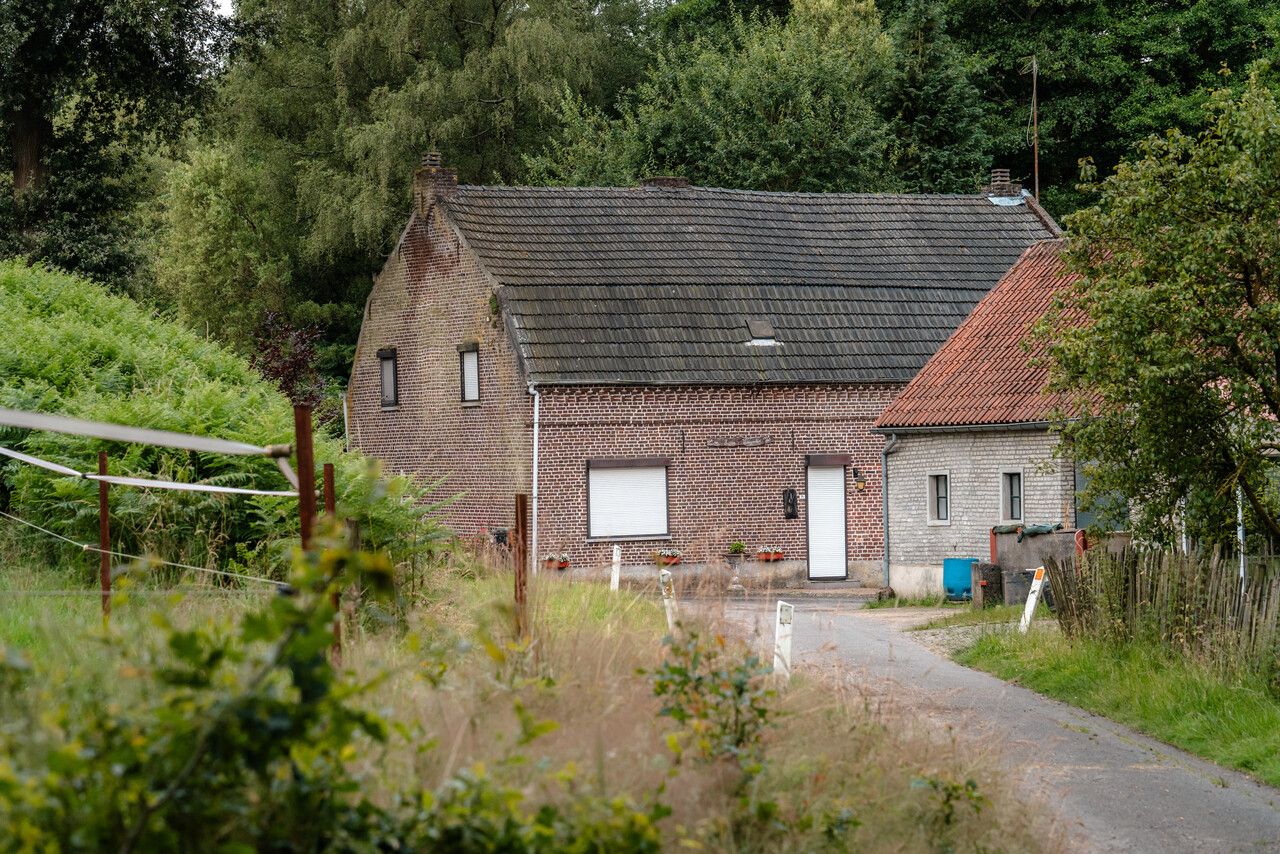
(973, 462)
(717, 494)
(431, 296)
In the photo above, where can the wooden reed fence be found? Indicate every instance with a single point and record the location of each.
(1194, 605)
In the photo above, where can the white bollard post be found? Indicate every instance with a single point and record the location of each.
(668, 599)
(782, 640)
(615, 576)
(1033, 597)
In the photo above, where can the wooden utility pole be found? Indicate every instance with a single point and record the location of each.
(306, 472)
(331, 510)
(519, 547)
(104, 539)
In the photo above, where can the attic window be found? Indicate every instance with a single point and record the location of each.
(761, 332)
(389, 379)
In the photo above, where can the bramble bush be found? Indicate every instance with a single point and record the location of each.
(71, 348)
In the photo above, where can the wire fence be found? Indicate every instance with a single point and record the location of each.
(89, 547)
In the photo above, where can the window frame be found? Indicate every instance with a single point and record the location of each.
(931, 497)
(627, 463)
(463, 349)
(389, 354)
(1006, 496)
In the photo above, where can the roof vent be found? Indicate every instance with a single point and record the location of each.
(670, 182)
(761, 332)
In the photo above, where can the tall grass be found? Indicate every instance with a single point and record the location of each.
(1192, 605)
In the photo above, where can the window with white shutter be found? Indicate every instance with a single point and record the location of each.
(627, 498)
(469, 371)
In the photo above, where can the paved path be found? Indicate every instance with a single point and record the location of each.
(1114, 790)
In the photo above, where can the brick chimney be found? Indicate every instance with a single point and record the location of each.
(1001, 185)
(669, 182)
(432, 182)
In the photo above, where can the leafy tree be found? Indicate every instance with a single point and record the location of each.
(85, 85)
(1176, 374)
(1111, 72)
(940, 144)
(300, 181)
(765, 104)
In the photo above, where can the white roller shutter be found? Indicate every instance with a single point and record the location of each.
(825, 502)
(470, 375)
(627, 502)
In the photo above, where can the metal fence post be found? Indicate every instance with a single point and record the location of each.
(331, 510)
(306, 472)
(520, 552)
(104, 540)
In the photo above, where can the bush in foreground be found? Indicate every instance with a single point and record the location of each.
(456, 737)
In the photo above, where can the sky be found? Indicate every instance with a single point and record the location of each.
(224, 6)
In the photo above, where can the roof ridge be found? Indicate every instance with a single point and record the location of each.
(696, 189)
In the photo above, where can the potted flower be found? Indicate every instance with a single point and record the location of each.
(666, 557)
(737, 553)
(555, 561)
(768, 553)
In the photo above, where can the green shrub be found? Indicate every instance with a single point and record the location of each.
(70, 347)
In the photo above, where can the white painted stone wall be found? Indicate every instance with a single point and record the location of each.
(973, 462)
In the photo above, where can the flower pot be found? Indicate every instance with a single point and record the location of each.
(551, 564)
(668, 560)
(735, 559)
(562, 565)
(769, 557)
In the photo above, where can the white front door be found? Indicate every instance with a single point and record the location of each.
(825, 503)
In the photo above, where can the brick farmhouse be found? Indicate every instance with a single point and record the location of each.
(667, 366)
(971, 444)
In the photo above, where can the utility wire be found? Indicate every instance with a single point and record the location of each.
(91, 548)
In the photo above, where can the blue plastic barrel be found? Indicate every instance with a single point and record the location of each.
(957, 577)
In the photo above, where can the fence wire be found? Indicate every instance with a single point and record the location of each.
(88, 547)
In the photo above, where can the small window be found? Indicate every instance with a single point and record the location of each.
(469, 370)
(939, 498)
(390, 386)
(627, 498)
(1011, 496)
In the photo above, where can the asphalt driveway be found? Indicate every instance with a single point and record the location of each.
(1112, 788)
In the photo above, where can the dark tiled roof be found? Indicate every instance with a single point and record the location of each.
(697, 334)
(655, 285)
(983, 375)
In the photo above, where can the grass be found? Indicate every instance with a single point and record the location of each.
(999, 615)
(933, 601)
(832, 756)
(1235, 723)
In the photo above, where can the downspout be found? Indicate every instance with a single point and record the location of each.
(533, 545)
(889, 447)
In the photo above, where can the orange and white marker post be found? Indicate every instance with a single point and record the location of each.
(1037, 584)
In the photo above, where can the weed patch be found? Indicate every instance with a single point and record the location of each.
(1234, 721)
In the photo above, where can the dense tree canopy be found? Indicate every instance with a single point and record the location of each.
(1111, 72)
(85, 85)
(299, 182)
(825, 101)
(1177, 372)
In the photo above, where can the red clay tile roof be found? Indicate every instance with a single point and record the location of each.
(982, 375)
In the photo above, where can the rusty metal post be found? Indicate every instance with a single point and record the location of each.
(306, 472)
(331, 510)
(520, 552)
(104, 539)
